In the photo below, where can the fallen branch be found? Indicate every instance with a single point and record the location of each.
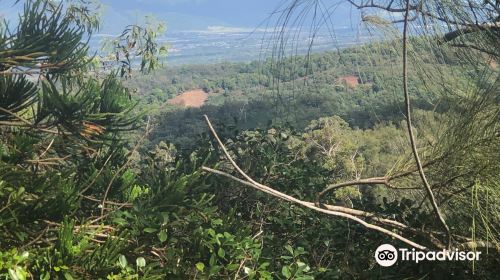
(327, 210)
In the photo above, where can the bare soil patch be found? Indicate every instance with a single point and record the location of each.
(193, 98)
(350, 81)
(493, 64)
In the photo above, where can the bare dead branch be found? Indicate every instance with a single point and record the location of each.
(47, 149)
(48, 160)
(470, 46)
(389, 7)
(346, 210)
(252, 183)
(473, 245)
(36, 239)
(416, 8)
(124, 204)
(96, 176)
(26, 122)
(410, 172)
(329, 209)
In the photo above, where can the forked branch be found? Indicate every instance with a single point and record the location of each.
(337, 211)
(386, 181)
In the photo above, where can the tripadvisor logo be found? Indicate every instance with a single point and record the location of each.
(387, 255)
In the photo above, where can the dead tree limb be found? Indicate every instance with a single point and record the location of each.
(327, 210)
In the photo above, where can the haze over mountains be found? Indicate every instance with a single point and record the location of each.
(201, 31)
(205, 31)
(184, 15)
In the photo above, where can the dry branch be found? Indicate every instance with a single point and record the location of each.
(330, 210)
(25, 122)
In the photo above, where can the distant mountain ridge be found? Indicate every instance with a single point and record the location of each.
(186, 15)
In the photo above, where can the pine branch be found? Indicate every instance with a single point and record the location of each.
(146, 133)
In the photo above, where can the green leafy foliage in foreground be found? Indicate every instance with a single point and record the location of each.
(82, 197)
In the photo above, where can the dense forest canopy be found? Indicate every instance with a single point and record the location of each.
(297, 166)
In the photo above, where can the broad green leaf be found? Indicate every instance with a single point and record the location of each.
(150, 230)
(248, 271)
(200, 266)
(264, 265)
(162, 236)
(289, 249)
(221, 253)
(214, 269)
(17, 273)
(286, 272)
(211, 262)
(123, 261)
(140, 262)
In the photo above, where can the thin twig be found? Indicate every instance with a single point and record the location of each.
(27, 123)
(146, 132)
(36, 238)
(124, 204)
(96, 176)
(361, 182)
(48, 148)
(410, 130)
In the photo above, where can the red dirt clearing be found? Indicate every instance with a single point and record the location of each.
(493, 64)
(351, 81)
(193, 98)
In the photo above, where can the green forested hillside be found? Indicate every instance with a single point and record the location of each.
(302, 89)
(303, 175)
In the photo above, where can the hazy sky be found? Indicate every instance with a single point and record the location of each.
(198, 14)
(248, 13)
(181, 15)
